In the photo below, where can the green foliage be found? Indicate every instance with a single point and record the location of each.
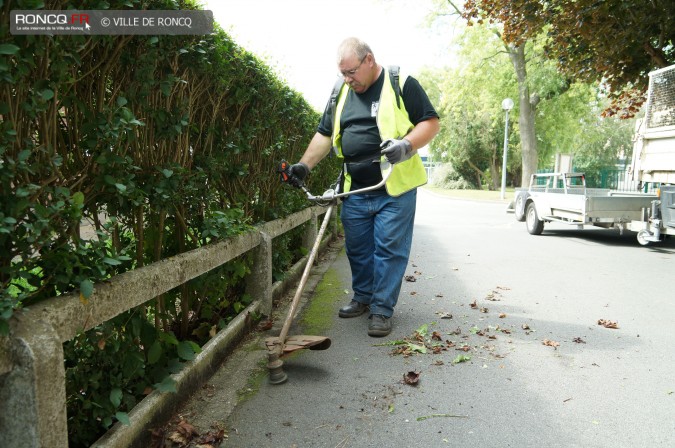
(164, 144)
(472, 127)
(615, 42)
(111, 367)
(446, 177)
(568, 116)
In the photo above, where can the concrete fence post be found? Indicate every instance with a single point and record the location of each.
(259, 282)
(33, 392)
(334, 225)
(311, 231)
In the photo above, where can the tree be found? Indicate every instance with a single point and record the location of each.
(472, 129)
(469, 95)
(616, 42)
(527, 100)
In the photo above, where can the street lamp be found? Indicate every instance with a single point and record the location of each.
(507, 105)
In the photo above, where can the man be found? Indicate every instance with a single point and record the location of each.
(371, 118)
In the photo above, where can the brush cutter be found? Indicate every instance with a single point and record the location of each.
(282, 345)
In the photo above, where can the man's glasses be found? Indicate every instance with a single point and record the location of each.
(351, 73)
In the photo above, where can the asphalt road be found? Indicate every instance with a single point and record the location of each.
(508, 293)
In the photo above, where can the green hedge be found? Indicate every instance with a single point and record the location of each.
(164, 143)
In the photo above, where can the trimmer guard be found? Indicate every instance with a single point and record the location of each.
(298, 342)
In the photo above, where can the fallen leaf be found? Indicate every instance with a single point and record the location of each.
(417, 348)
(212, 438)
(461, 358)
(608, 324)
(550, 343)
(264, 326)
(502, 315)
(525, 327)
(411, 378)
(444, 315)
(483, 309)
(413, 293)
(183, 434)
(101, 343)
(578, 341)
(439, 295)
(473, 304)
(410, 278)
(83, 299)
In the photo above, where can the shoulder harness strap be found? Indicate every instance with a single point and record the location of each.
(334, 96)
(393, 77)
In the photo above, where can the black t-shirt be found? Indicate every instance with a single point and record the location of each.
(360, 135)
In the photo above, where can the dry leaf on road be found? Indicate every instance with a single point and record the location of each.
(412, 378)
(550, 343)
(608, 324)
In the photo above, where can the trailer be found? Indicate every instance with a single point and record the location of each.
(648, 209)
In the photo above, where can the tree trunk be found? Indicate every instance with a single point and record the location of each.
(528, 107)
(494, 170)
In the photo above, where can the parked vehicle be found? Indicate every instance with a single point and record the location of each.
(647, 209)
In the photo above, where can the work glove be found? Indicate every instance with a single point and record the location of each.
(396, 150)
(294, 174)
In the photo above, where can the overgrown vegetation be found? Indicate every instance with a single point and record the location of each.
(165, 144)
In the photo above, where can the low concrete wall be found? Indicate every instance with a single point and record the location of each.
(32, 374)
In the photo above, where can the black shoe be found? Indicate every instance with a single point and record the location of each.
(354, 309)
(379, 325)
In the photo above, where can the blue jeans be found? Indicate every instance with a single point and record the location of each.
(378, 235)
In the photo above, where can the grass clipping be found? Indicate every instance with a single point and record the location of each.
(422, 341)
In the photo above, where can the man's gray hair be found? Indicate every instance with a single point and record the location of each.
(355, 46)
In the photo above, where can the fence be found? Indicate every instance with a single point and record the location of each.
(612, 178)
(32, 374)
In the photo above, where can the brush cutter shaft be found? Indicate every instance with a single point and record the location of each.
(332, 194)
(305, 275)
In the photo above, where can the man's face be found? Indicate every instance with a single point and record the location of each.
(357, 72)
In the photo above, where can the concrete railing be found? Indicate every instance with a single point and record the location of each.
(32, 373)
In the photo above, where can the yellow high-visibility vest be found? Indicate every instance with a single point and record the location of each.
(392, 122)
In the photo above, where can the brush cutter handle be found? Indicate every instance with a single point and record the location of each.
(332, 194)
(293, 174)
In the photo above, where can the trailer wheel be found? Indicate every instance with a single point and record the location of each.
(534, 225)
(519, 206)
(641, 237)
